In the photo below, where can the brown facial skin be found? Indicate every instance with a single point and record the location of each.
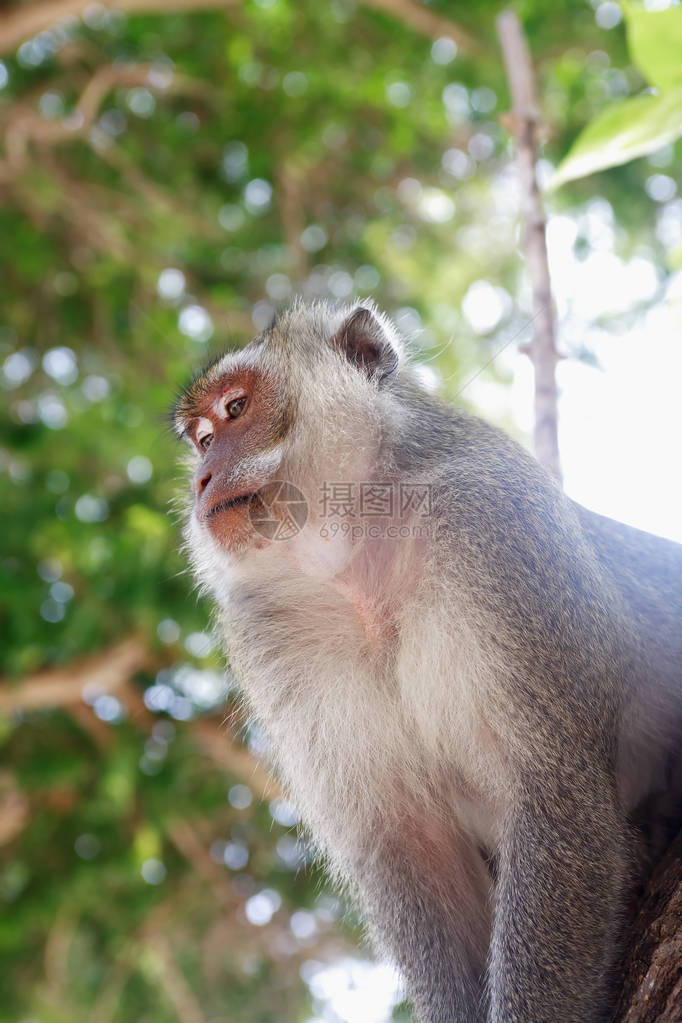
(231, 421)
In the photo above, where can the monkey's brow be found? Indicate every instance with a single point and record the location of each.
(189, 399)
(189, 402)
(187, 406)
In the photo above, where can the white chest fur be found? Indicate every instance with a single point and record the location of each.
(363, 699)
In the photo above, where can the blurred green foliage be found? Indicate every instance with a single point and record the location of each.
(642, 124)
(167, 182)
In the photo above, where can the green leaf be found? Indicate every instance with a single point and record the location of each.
(622, 132)
(655, 43)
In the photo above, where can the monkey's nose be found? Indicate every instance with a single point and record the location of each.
(203, 482)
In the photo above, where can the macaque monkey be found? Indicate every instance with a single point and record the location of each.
(471, 695)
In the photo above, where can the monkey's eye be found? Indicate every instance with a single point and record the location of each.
(203, 434)
(236, 407)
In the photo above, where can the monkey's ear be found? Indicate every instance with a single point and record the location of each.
(365, 343)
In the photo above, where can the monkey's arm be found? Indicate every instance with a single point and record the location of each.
(562, 871)
(428, 900)
(551, 628)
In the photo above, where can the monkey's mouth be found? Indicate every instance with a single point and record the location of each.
(233, 502)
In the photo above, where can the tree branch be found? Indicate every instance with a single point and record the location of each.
(219, 746)
(111, 671)
(543, 352)
(428, 23)
(173, 981)
(290, 186)
(23, 124)
(108, 670)
(23, 21)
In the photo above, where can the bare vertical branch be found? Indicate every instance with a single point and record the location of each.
(542, 351)
(290, 189)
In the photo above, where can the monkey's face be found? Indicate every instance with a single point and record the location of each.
(234, 420)
(299, 405)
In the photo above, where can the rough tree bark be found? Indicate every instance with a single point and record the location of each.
(651, 977)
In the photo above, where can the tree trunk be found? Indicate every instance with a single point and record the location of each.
(651, 980)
